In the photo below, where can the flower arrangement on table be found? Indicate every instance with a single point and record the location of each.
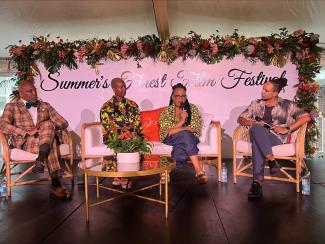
(128, 142)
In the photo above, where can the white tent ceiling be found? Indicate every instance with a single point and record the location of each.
(20, 20)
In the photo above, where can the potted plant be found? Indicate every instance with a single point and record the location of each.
(128, 146)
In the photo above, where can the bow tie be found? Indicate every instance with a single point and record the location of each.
(29, 105)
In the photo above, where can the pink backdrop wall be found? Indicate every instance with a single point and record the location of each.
(223, 89)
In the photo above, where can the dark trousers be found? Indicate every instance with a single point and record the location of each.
(184, 145)
(262, 143)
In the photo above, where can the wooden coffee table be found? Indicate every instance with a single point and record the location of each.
(100, 167)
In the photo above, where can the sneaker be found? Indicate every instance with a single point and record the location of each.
(256, 191)
(274, 167)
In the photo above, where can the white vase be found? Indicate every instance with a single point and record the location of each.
(128, 161)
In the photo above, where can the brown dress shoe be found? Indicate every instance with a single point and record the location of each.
(60, 192)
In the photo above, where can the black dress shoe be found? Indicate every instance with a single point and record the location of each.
(274, 167)
(60, 192)
(256, 191)
(38, 167)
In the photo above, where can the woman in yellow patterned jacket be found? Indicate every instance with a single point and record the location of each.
(180, 127)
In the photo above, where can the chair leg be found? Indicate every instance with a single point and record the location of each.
(234, 164)
(219, 168)
(298, 167)
(8, 176)
(72, 174)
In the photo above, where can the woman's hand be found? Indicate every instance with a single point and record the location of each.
(183, 115)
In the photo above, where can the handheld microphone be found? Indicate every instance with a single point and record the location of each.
(266, 125)
(183, 106)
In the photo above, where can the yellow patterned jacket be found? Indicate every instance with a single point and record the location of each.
(167, 120)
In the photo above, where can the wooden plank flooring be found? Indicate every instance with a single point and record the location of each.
(212, 213)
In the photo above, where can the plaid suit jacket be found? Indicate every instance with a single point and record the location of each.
(16, 120)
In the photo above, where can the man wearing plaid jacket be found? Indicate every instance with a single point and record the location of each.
(33, 123)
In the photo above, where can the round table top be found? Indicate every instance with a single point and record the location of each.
(108, 167)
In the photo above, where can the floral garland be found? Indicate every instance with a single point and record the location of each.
(299, 47)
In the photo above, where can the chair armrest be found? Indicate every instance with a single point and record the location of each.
(5, 147)
(300, 141)
(214, 136)
(84, 126)
(241, 133)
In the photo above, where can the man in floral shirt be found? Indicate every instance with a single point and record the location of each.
(119, 112)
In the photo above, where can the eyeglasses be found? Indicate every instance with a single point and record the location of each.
(180, 96)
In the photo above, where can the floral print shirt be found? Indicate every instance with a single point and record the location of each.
(168, 120)
(119, 114)
(284, 113)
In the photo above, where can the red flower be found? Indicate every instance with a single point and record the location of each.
(124, 135)
(206, 44)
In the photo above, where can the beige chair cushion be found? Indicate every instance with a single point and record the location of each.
(206, 121)
(160, 148)
(18, 154)
(280, 150)
(94, 142)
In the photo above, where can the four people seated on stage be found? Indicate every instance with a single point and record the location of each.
(33, 124)
(180, 127)
(271, 119)
(120, 112)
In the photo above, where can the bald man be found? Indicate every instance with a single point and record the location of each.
(33, 123)
(119, 112)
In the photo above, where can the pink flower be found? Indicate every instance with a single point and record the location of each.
(192, 53)
(228, 40)
(250, 49)
(124, 49)
(314, 114)
(138, 44)
(211, 40)
(314, 37)
(109, 44)
(175, 42)
(298, 32)
(277, 45)
(185, 40)
(214, 48)
(298, 55)
(61, 54)
(269, 49)
(252, 40)
(36, 52)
